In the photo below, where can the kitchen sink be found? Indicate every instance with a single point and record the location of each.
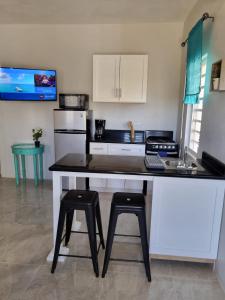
(179, 164)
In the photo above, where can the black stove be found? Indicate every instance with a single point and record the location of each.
(161, 142)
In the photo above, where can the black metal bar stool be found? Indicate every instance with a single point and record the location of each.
(130, 203)
(89, 202)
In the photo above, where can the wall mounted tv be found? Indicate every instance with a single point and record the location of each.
(27, 84)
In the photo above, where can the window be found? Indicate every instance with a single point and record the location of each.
(194, 117)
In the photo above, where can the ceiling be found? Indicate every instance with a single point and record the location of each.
(93, 11)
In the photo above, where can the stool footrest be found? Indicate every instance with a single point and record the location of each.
(79, 256)
(127, 260)
(130, 235)
(82, 232)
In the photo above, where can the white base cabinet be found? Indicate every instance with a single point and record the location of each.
(116, 149)
(186, 216)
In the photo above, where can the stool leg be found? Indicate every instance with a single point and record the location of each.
(91, 225)
(69, 222)
(144, 243)
(58, 238)
(99, 223)
(23, 167)
(110, 237)
(16, 165)
(35, 170)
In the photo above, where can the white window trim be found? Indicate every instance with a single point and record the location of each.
(187, 131)
(188, 123)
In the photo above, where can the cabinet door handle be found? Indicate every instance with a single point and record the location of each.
(124, 149)
(120, 92)
(97, 148)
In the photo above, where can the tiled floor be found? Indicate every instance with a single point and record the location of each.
(25, 240)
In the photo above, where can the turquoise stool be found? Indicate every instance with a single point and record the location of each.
(28, 149)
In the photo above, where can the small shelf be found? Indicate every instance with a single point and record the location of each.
(218, 76)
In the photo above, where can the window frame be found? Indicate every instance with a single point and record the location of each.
(190, 110)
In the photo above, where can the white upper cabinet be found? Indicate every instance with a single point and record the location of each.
(120, 78)
(133, 78)
(105, 78)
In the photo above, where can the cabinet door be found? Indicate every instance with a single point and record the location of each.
(98, 148)
(133, 78)
(186, 217)
(106, 78)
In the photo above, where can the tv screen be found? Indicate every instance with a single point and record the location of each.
(27, 84)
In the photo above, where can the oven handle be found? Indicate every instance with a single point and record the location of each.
(156, 152)
(151, 152)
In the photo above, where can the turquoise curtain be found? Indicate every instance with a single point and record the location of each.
(194, 62)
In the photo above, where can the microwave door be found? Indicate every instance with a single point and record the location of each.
(70, 120)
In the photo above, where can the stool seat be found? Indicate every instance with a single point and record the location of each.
(76, 198)
(128, 200)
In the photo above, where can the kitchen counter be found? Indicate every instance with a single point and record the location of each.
(135, 165)
(121, 137)
(186, 207)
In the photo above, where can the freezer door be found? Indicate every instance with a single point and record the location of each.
(69, 143)
(70, 119)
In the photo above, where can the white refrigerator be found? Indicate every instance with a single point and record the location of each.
(72, 130)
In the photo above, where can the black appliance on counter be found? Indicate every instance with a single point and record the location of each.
(99, 128)
(73, 101)
(161, 142)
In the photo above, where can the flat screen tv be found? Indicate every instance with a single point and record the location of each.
(27, 84)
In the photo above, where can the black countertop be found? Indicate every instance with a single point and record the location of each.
(121, 137)
(130, 165)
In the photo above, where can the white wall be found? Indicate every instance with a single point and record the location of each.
(69, 50)
(213, 122)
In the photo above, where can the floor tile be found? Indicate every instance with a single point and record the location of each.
(15, 279)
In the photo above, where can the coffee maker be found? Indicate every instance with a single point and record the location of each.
(99, 128)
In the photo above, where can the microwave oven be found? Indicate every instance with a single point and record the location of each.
(73, 101)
